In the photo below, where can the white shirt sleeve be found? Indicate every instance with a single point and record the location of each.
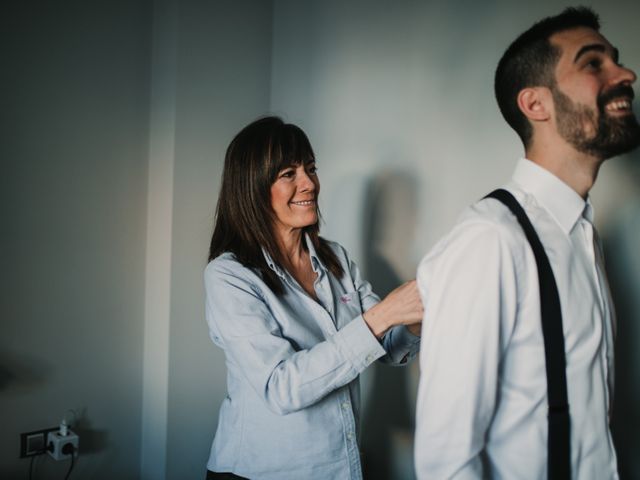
(468, 287)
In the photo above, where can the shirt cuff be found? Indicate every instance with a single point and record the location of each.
(401, 344)
(358, 344)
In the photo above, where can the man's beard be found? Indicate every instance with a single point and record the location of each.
(613, 135)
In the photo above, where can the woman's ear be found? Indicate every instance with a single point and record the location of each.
(535, 103)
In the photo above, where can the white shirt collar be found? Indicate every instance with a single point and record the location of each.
(558, 198)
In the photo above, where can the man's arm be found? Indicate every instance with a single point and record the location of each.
(468, 287)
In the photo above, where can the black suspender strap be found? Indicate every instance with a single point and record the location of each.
(558, 446)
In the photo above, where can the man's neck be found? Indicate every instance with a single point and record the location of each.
(576, 169)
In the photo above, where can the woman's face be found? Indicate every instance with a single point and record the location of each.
(294, 197)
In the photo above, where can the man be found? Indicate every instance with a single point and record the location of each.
(482, 404)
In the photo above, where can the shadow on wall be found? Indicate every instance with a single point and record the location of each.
(21, 375)
(623, 268)
(388, 418)
(93, 440)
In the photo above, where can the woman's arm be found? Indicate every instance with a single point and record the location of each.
(287, 378)
(396, 320)
(401, 307)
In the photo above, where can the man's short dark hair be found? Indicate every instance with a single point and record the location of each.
(530, 62)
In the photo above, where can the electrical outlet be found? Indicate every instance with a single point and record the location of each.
(62, 446)
(34, 443)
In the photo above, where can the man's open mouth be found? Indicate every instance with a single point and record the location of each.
(620, 105)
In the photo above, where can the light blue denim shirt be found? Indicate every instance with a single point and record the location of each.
(292, 408)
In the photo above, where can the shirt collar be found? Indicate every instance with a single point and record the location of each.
(272, 265)
(588, 213)
(316, 263)
(558, 198)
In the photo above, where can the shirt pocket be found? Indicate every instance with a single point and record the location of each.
(348, 307)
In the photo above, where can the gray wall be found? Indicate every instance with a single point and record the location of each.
(114, 119)
(222, 84)
(73, 148)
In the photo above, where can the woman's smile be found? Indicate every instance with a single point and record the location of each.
(304, 203)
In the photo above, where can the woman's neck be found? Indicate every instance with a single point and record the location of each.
(297, 261)
(291, 244)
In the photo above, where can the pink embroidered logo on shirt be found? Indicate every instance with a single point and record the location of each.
(345, 299)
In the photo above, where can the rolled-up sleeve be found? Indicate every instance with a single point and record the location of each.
(401, 346)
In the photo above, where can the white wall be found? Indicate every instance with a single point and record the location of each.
(397, 98)
(407, 86)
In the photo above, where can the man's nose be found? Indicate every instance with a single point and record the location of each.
(623, 75)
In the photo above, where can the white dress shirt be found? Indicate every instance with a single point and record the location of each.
(482, 399)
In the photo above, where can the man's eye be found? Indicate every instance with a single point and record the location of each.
(595, 64)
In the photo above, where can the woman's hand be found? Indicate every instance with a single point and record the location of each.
(401, 307)
(415, 329)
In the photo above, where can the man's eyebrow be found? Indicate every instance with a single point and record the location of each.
(596, 47)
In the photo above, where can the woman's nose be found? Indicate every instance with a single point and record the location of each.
(306, 183)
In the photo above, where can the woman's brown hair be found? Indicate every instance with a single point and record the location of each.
(244, 217)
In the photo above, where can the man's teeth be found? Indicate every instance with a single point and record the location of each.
(619, 105)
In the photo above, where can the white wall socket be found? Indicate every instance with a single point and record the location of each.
(57, 442)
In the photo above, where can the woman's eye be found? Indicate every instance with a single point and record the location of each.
(312, 170)
(287, 174)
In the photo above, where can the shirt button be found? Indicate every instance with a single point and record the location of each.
(350, 436)
(369, 358)
(345, 405)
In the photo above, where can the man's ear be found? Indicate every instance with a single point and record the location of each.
(535, 103)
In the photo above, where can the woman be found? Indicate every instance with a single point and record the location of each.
(297, 322)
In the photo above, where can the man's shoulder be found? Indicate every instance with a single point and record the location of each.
(491, 218)
(484, 224)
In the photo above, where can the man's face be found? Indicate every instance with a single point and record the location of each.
(593, 95)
